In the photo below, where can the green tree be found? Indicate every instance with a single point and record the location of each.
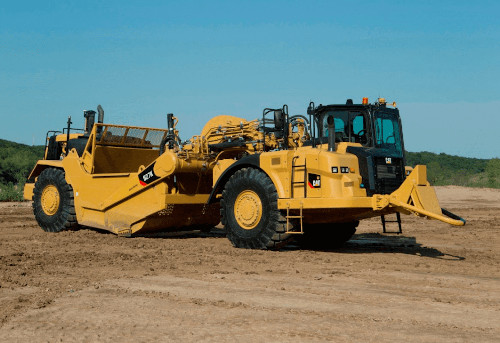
(493, 172)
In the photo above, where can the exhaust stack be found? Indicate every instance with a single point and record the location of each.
(331, 133)
(89, 120)
(100, 117)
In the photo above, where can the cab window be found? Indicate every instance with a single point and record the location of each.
(349, 127)
(387, 132)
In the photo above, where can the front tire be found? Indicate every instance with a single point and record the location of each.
(249, 211)
(53, 202)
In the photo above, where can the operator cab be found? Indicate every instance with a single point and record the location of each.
(377, 128)
(373, 126)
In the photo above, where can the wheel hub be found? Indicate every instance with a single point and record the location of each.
(50, 200)
(248, 209)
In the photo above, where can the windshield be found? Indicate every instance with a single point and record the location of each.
(387, 132)
(349, 126)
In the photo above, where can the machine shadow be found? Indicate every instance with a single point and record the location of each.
(379, 243)
(213, 233)
(358, 244)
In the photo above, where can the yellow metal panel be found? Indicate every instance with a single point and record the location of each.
(220, 167)
(111, 159)
(427, 198)
(421, 175)
(342, 147)
(315, 164)
(319, 203)
(186, 198)
(91, 218)
(42, 164)
(28, 191)
(318, 162)
(279, 173)
(64, 137)
(337, 185)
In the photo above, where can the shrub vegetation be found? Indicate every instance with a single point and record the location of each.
(443, 169)
(17, 160)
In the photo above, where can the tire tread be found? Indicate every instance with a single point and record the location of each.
(271, 237)
(65, 217)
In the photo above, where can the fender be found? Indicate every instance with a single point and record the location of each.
(41, 165)
(247, 161)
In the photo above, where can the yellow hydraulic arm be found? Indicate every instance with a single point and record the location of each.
(417, 196)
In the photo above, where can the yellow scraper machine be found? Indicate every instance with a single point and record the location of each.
(311, 177)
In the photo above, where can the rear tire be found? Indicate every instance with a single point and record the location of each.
(249, 211)
(53, 201)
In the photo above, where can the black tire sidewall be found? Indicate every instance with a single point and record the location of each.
(236, 187)
(56, 222)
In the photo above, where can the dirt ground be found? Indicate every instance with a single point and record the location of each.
(433, 283)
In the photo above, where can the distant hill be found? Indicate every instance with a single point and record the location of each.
(17, 160)
(443, 169)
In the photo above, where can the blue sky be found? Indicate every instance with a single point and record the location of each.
(439, 60)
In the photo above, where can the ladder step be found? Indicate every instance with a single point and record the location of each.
(398, 221)
(292, 179)
(299, 230)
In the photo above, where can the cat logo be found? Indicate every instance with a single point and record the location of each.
(314, 181)
(388, 160)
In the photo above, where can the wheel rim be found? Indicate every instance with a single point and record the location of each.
(50, 200)
(248, 209)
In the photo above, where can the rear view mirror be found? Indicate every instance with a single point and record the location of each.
(331, 133)
(279, 119)
(310, 108)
